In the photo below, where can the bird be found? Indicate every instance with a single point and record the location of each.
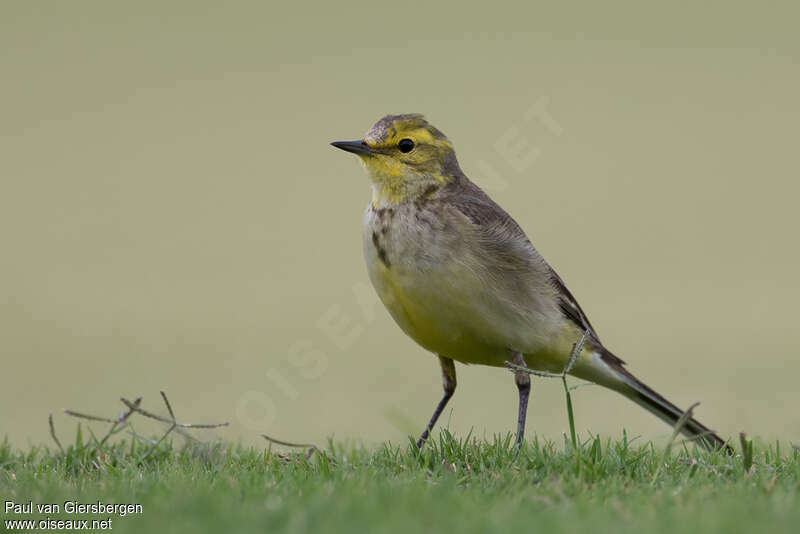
(461, 278)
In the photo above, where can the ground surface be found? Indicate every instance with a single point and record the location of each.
(461, 485)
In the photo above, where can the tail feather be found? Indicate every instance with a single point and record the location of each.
(651, 401)
(647, 398)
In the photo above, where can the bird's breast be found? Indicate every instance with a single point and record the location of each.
(417, 266)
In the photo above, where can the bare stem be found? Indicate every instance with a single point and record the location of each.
(310, 447)
(151, 415)
(53, 432)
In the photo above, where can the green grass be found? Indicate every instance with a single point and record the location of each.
(461, 485)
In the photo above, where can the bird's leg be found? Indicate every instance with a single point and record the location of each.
(523, 381)
(449, 386)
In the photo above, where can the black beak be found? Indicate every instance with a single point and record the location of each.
(356, 147)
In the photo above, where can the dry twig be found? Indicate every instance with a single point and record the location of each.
(53, 432)
(310, 447)
(121, 422)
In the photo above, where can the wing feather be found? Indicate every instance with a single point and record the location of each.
(500, 228)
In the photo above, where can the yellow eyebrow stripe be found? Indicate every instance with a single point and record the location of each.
(419, 135)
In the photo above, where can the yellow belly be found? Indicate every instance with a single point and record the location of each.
(455, 326)
(436, 316)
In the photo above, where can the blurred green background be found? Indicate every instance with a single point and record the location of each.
(172, 216)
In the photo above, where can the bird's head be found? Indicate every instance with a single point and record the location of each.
(406, 158)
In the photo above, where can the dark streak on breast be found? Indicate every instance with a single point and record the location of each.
(380, 250)
(430, 191)
(384, 212)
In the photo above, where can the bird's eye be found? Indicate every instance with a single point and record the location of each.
(405, 145)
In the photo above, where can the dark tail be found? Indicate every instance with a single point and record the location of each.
(647, 398)
(654, 403)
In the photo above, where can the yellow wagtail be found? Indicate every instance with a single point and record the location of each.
(460, 277)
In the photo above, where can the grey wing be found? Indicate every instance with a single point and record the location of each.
(512, 247)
